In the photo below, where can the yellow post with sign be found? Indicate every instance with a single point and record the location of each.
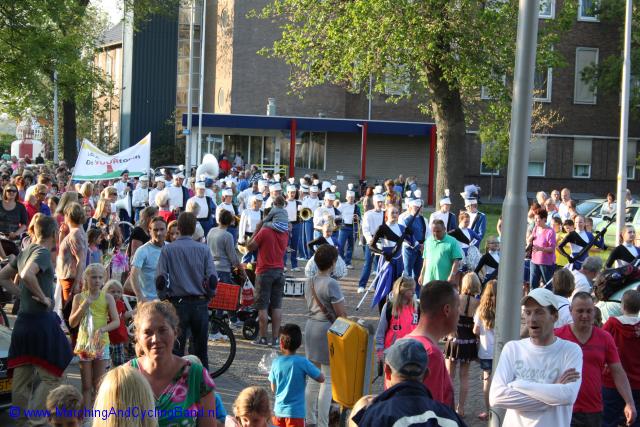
(351, 360)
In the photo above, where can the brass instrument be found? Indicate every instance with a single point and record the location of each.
(357, 228)
(306, 214)
(242, 249)
(236, 219)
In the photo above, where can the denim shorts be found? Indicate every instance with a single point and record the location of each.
(269, 289)
(106, 355)
(486, 364)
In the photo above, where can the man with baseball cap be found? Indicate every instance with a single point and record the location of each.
(349, 211)
(444, 214)
(538, 378)
(407, 401)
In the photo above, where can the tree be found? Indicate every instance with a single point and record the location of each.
(445, 50)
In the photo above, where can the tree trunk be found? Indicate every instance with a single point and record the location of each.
(451, 147)
(69, 131)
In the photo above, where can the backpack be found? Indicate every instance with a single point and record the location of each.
(612, 280)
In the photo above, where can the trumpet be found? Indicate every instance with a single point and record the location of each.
(306, 214)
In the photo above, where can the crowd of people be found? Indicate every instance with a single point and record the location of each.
(74, 250)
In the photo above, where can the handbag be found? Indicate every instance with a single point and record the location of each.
(323, 309)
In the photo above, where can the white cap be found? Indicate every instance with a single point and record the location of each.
(378, 198)
(159, 179)
(469, 202)
(227, 192)
(275, 187)
(144, 178)
(542, 296)
(276, 177)
(200, 184)
(316, 182)
(415, 202)
(350, 186)
(377, 189)
(329, 196)
(326, 185)
(351, 193)
(408, 193)
(333, 188)
(262, 185)
(313, 189)
(445, 200)
(291, 189)
(292, 180)
(302, 181)
(178, 175)
(417, 194)
(265, 175)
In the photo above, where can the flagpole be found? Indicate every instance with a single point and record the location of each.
(624, 125)
(203, 29)
(189, 95)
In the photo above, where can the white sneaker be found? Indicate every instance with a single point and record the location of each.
(297, 269)
(218, 337)
(285, 269)
(360, 290)
(349, 267)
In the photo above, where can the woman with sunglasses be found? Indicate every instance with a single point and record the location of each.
(13, 214)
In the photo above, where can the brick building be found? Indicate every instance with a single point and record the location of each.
(581, 152)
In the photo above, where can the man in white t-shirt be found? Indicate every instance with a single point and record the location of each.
(538, 378)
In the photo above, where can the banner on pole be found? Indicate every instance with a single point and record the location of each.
(95, 165)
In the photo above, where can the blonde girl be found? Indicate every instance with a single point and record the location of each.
(251, 409)
(122, 388)
(399, 316)
(484, 322)
(90, 311)
(462, 347)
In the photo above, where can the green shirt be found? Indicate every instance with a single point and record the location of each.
(41, 256)
(439, 256)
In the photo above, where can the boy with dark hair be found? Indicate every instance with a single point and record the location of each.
(65, 406)
(288, 379)
(624, 330)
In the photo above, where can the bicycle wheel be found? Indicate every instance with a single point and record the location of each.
(4, 320)
(221, 351)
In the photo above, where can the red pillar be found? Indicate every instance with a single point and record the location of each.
(432, 165)
(292, 149)
(363, 152)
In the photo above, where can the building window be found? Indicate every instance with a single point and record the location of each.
(583, 92)
(311, 150)
(542, 84)
(631, 159)
(484, 169)
(547, 9)
(537, 157)
(587, 10)
(582, 158)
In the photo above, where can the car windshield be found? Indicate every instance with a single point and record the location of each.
(585, 207)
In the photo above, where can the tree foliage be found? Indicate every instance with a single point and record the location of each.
(446, 50)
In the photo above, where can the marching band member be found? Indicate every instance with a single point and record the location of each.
(207, 209)
(627, 252)
(328, 229)
(477, 218)
(371, 220)
(293, 208)
(178, 194)
(123, 186)
(346, 239)
(412, 254)
(390, 266)
(323, 213)
(263, 186)
(244, 195)
(140, 197)
(310, 202)
(467, 239)
(160, 184)
(444, 213)
(579, 239)
(490, 261)
(275, 190)
(248, 222)
(226, 205)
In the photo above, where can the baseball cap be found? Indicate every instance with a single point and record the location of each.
(542, 296)
(329, 196)
(228, 192)
(407, 357)
(378, 198)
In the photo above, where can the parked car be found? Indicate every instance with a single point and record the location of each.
(5, 381)
(591, 208)
(632, 218)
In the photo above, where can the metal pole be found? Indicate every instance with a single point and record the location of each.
(190, 94)
(514, 207)
(624, 125)
(370, 84)
(55, 117)
(203, 28)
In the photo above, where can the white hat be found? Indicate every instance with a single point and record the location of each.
(178, 175)
(415, 202)
(378, 198)
(329, 196)
(445, 200)
(276, 177)
(313, 189)
(159, 179)
(291, 188)
(265, 175)
(542, 296)
(275, 187)
(377, 189)
(469, 202)
(333, 188)
(316, 182)
(200, 184)
(326, 185)
(302, 181)
(252, 198)
(350, 186)
(227, 192)
(351, 193)
(144, 178)
(262, 185)
(417, 194)
(292, 180)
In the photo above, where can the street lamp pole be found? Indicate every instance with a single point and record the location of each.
(55, 117)
(189, 95)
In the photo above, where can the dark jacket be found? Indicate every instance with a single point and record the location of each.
(404, 400)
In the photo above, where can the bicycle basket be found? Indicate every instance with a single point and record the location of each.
(227, 297)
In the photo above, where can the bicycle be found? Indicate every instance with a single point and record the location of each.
(224, 352)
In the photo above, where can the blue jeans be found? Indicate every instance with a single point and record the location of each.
(540, 272)
(346, 242)
(194, 318)
(234, 233)
(613, 403)
(294, 240)
(412, 260)
(307, 236)
(366, 268)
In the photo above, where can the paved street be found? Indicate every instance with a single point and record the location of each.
(244, 370)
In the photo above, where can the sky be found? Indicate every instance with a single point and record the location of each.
(112, 7)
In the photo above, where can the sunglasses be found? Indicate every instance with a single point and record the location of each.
(10, 190)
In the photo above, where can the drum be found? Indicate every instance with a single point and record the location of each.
(294, 287)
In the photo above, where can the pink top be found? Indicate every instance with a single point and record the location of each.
(545, 238)
(401, 325)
